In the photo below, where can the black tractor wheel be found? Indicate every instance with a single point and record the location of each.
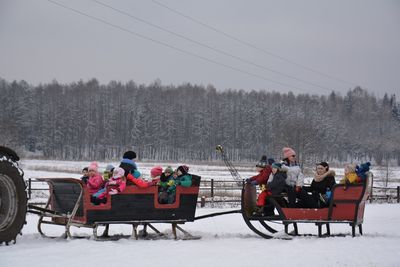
(13, 200)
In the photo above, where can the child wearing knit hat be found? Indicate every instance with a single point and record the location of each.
(166, 176)
(155, 174)
(85, 175)
(115, 185)
(184, 178)
(264, 171)
(108, 172)
(275, 187)
(165, 194)
(95, 181)
(180, 177)
(117, 182)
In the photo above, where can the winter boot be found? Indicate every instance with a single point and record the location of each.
(258, 211)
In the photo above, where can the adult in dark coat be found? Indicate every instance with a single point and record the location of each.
(128, 163)
(315, 196)
(133, 176)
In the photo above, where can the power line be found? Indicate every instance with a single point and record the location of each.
(209, 47)
(251, 45)
(171, 46)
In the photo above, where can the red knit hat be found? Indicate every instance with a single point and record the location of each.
(156, 171)
(184, 169)
(288, 152)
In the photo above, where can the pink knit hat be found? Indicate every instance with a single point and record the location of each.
(93, 166)
(118, 172)
(156, 171)
(287, 152)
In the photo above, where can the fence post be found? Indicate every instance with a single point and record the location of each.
(371, 195)
(398, 194)
(29, 188)
(203, 202)
(212, 188)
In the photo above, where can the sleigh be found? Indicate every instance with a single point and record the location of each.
(69, 205)
(346, 206)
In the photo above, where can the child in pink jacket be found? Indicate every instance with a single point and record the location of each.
(115, 185)
(95, 181)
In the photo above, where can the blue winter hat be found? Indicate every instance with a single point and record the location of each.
(276, 165)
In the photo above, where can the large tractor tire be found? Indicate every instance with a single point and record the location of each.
(13, 200)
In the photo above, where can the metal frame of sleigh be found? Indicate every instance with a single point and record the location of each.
(346, 206)
(69, 205)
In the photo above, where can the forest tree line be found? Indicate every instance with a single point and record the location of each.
(88, 120)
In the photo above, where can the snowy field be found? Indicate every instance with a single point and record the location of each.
(225, 240)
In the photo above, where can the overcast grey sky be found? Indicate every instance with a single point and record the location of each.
(355, 42)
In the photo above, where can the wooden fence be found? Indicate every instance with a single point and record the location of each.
(219, 191)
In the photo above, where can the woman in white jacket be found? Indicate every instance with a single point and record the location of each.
(295, 176)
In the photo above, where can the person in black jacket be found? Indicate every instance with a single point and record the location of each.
(316, 196)
(85, 175)
(275, 186)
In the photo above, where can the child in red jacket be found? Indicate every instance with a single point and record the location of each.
(264, 171)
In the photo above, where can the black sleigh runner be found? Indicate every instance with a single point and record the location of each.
(70, 205)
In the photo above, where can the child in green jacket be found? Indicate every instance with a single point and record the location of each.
(181, 177)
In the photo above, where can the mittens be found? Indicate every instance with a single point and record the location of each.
(113, 192)
(112, 182)
(254, 182)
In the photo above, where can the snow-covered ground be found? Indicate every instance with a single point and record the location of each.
(225, 240)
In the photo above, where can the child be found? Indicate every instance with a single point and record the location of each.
(180, 177)
(166, 181)
(85, 175)
(115, 185)
(108, 172)
(275, 186)
(350, 175)
(155, 174)
(277, 183)
(264, 171)
(183, 177)
(95, 181)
